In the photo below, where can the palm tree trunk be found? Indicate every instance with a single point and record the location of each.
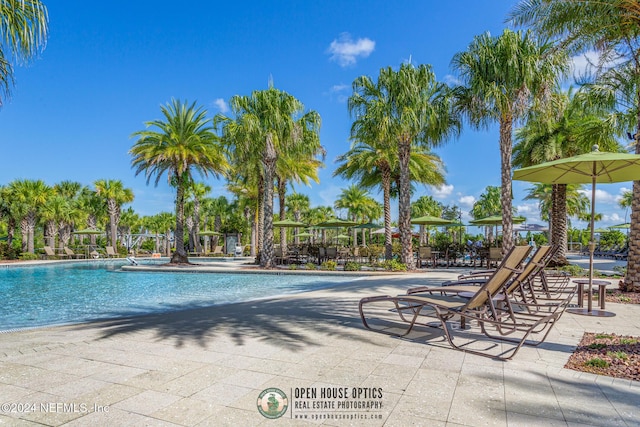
(282, 189)
(91, 223)
(632, 279)
(269, 163)
(296, 217)
(180, 255)
(50, 228)
(404, 200)
(386, 195)
(260, 227)
(506, 149)
(31, 226)
(24, 232)
(196, 225)
(559, 220)
(112, 209)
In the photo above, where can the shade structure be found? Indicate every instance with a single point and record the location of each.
(593, 167)
(625, 226)
(530, 227)
(336, 223)
(430, 220)
(305, 234)
(88, 231)
(209, 233)
(367, 225)
(342, 237)
(288, 223)
(496, 220)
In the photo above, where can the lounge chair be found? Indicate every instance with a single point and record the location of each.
(217, 251)
(72, 254)
(479, 307)
(50, 253)
(111, 253)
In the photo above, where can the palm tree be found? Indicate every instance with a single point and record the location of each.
(198, 191)
(572, 124)
(184, 142)
(113, 195)
(316, 216)
(6, 213)
(577, 204)
(425, 205)
(488, 204)
(29, 197)
(501, 79)
(376, 165)
(297, 203)
(407, 108)
(24, 28)
(268, 123)
(610, 27)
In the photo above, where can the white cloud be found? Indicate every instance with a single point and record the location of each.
(222, 105)
(345, 51)
(340, 92)
(452, 80)
(467, 201)
(601, 196)
(442, 192)
(582, 65)
(613, 218)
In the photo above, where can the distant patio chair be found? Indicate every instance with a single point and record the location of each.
(72, 254)
(50, 253)
(217, 251)
(111, 253)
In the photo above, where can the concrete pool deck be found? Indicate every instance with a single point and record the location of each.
(208, 366)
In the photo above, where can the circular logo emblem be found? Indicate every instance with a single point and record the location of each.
(272, 403)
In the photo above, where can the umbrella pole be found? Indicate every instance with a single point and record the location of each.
(592, 244)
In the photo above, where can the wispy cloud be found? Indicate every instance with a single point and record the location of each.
(339, 92)
(442, 191)
(345, 51)
(601, 196)
(452, 80)
(467, 201)
(222, 105)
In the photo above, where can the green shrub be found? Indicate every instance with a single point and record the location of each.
(352, 266)
(603, 336)
(618, 355)
(596, 362)
(627, 341)
(310, 266)
(28, 256)
(574, 270)
(394, 265)
(329, 265)
(597, 346)
(8, 252)
(293, 266)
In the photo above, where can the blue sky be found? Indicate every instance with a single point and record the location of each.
(108, 66)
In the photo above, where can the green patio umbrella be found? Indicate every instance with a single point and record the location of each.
(209, 233)
(496, 220)
(288, 223)
(593, 167)
(88, 231)
(430, 220)
(305, 234)
(625, 226)
(336, 223)
(367, 225)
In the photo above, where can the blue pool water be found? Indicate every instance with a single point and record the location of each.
(77, 292)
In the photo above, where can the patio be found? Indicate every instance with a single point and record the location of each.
(207, 366)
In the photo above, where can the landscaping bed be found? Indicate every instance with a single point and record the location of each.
(607, 354)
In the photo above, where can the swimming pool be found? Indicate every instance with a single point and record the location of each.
(78, 292)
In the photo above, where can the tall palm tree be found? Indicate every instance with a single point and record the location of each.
(577, 204)
(501, 78)
(23, 28)
(29, 197)
(357, 202)
(609, 27)
(425, 205)
(113, 195)
(297, 203)
(407, 108)
(316, 216)
(268, 123)
(375, 164)
(180, 144)
(570, 125)
(489, 204)
(198, 191)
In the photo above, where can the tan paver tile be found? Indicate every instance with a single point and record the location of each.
(147, 402)
(188, 411)
(222, 394)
